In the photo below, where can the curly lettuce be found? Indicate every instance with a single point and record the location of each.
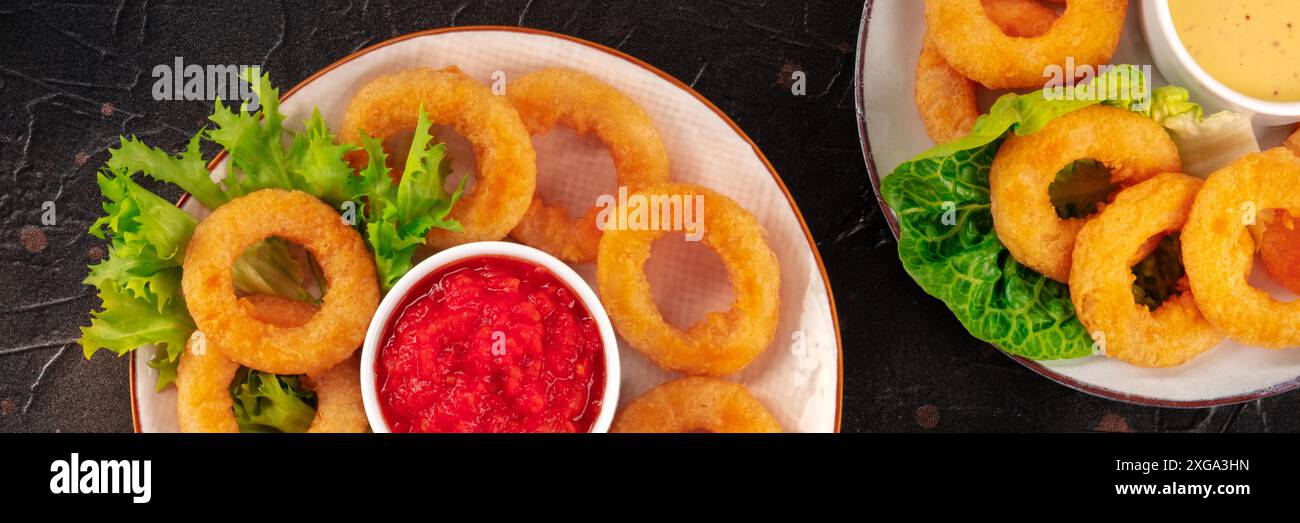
(265, 402)
(399, 216)
(947, 242)
(139, 281)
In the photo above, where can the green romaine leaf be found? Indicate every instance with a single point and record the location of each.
(265, 402)
(1205, 143)
(1027, 113)
(947, 242)
(948, 245)
(1080, 187)
(1156, 277)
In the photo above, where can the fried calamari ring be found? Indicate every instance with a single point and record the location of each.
(1218, 251)
(1101, 278)
(586, 105)
(507, 165)
(351, 295)
(338, 399)
(203, 401)
(1088, 31)
(946, 99)
(1279, 249)
(721, 343)
(1279, 245)
(695, 404)
(1131, 146)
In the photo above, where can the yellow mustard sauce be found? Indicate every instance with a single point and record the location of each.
(1251, 46)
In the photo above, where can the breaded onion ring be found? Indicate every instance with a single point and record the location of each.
(507, 165)
(1279, 249)
(946, 99)
(696, 404)
(203, 401)
(351, 294)
(1131, 146)
(722, 342)
(1279, 245)
(1101, 278)
(586, 105)
(338, 399)
(1218, 252)
(962, 31)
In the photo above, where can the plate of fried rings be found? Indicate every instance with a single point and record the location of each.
(1091, 189)
(476, 229)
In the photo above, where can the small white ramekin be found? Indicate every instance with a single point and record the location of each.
(395, 297)
(1179, 68)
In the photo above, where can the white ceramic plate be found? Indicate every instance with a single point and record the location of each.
(892, 133)
(797, 378)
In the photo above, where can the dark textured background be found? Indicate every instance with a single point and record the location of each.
(74, 77)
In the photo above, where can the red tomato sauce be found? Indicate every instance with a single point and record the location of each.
(491, 344)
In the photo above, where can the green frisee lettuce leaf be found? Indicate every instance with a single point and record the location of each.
(265, 402)
(399, 216)
(139, 281)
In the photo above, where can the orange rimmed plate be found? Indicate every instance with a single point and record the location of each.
(799, 378)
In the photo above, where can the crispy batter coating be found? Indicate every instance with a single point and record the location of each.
(964, 33)
(1101, 277)
(351, 295)
(507, 165)
(696, 404)
(722, 342)
(1218, 251)
(588, 106)
(946, 99)
(203, 401)
(1131, 146)
(1279, 246)
(338, 399)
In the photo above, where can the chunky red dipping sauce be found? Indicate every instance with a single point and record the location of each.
(491, 344)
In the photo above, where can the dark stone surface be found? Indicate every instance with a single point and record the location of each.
(73, 77)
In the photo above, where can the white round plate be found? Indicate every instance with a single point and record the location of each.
(798, 378)
(892, 133)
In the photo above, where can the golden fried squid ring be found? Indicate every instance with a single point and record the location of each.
(203, 402)
(1131, 146)
(696, 404)
(1279, 246)
(586, 105)
(721, 343)
(962, 31)
(1101, 278)
(507, 165)
(1218, 251)
(351, 294)
(946, 99)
